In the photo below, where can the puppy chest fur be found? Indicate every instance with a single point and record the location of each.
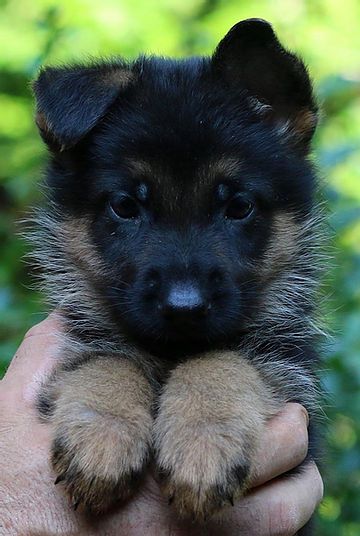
(180, 247)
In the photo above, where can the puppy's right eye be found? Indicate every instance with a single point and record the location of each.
(239, 208)
(124, 207)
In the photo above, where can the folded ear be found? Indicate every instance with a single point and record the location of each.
(251, 57)
(71, 100)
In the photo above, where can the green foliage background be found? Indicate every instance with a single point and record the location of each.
(326, 34)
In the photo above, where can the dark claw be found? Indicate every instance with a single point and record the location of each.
(231, 501)
(60, 478)
(171, 499)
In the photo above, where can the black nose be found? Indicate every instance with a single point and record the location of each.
(184, 301)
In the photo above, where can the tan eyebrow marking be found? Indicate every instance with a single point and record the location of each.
(139, 167)
(224, 166)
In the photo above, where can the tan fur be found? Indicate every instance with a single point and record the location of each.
(139, 167)
(220, 167)
(75, 232)
(102, 430)
(305, 122)
(211, 414)
(282, 246)
(73, 265)
(299, 126)
(294, 248)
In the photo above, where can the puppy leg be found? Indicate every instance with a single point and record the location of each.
(102, 430)
(211, 415)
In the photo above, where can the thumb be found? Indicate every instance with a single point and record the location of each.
(32, 363)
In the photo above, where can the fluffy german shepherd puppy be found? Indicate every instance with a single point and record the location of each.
(179, 248)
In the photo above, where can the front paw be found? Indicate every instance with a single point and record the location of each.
(101, 414)
(200, 482)
(98, 460)
(211, 414)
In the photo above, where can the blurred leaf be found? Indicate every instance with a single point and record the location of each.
(334, 156)
(345, 217)
(336, 92)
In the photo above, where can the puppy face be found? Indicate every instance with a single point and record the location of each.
(191, 176)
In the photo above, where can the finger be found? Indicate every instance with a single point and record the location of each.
(33, 361)
(280, 507)
(283, 446)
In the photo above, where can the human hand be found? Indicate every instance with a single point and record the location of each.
(30, 504)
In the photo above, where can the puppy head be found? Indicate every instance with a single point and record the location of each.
(192, 177)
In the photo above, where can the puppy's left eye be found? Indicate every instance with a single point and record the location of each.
(239, 208)
(125, 207)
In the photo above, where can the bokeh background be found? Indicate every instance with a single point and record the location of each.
(326, 34)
